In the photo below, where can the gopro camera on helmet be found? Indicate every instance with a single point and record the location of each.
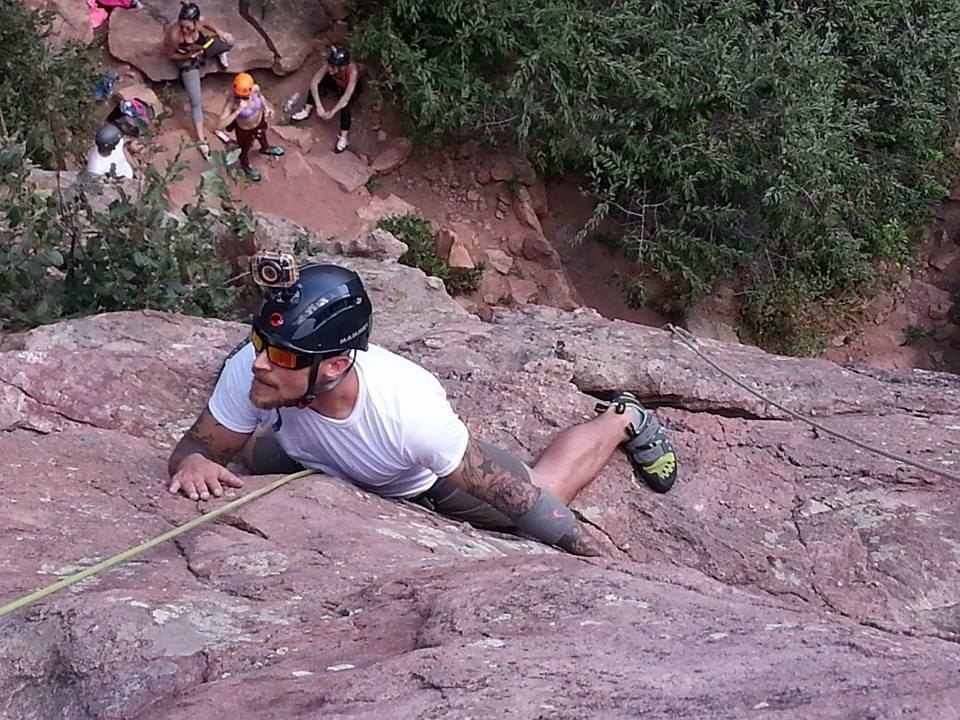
(274, 269)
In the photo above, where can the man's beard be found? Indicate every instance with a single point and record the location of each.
(269, 397)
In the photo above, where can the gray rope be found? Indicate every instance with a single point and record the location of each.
(690, 342)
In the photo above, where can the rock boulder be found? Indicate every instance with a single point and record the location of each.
(393, 155)
(289, 28)
(70, 20)
(137, 38)
(788, 575)
(348, 170)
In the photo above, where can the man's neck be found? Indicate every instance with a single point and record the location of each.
(339, 402)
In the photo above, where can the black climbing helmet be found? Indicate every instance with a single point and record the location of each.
(339, 57)
(107, 137)
(325, 313)
(189, 11)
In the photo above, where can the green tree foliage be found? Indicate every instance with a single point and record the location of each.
(70, 251)
(787, 144)
(63, 255)
(46, 93)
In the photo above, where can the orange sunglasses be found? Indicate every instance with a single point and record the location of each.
(281, 357)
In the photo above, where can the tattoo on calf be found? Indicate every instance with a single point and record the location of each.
(496, 476)
(493, 474)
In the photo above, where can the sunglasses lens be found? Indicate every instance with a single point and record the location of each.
(277, 355)
(283, 358)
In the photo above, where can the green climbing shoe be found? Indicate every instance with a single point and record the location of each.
(252, 174)
(650, 452)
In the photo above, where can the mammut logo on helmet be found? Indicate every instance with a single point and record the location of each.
(276, 320)
(355, 334)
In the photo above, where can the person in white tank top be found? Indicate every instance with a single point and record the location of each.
(309, 390)
(107, 157)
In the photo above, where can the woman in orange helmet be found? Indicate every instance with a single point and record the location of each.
(246, 112)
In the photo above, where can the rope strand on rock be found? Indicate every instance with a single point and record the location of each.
(169, 535)
(691, 343)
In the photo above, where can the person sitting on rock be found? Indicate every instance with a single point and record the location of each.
(189, 42)
(309, 390)
(108, 158)
(246, 112)
(342, 77)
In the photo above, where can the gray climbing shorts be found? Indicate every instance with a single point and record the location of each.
(266, 457)
(447, 499)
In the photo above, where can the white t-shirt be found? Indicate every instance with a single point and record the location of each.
(401, 435)
(97, 164)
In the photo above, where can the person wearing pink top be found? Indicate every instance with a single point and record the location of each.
(246, 112)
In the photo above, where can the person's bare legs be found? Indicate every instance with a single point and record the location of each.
(575, 457)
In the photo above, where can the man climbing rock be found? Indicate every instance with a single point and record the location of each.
(309, 390)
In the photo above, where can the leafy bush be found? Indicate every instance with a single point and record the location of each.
(46, 93)
(414, 230)
(790, 144)
(62, 257)
(914, 334)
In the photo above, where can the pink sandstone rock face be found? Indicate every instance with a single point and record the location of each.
(787, 576)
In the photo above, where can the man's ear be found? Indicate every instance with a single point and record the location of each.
(336, 365)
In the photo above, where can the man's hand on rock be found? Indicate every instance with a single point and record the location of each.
(198, 478)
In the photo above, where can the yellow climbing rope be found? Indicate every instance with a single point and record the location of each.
(169, 535)
(691, 343)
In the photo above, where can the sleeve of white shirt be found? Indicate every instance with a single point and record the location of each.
(436, 438)
(230, 402)
(93, 167)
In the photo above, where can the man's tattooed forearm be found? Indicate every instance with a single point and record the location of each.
(200, 439)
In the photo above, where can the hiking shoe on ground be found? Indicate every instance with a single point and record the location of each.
(274, 150)
(301, 114)
(252, 174)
